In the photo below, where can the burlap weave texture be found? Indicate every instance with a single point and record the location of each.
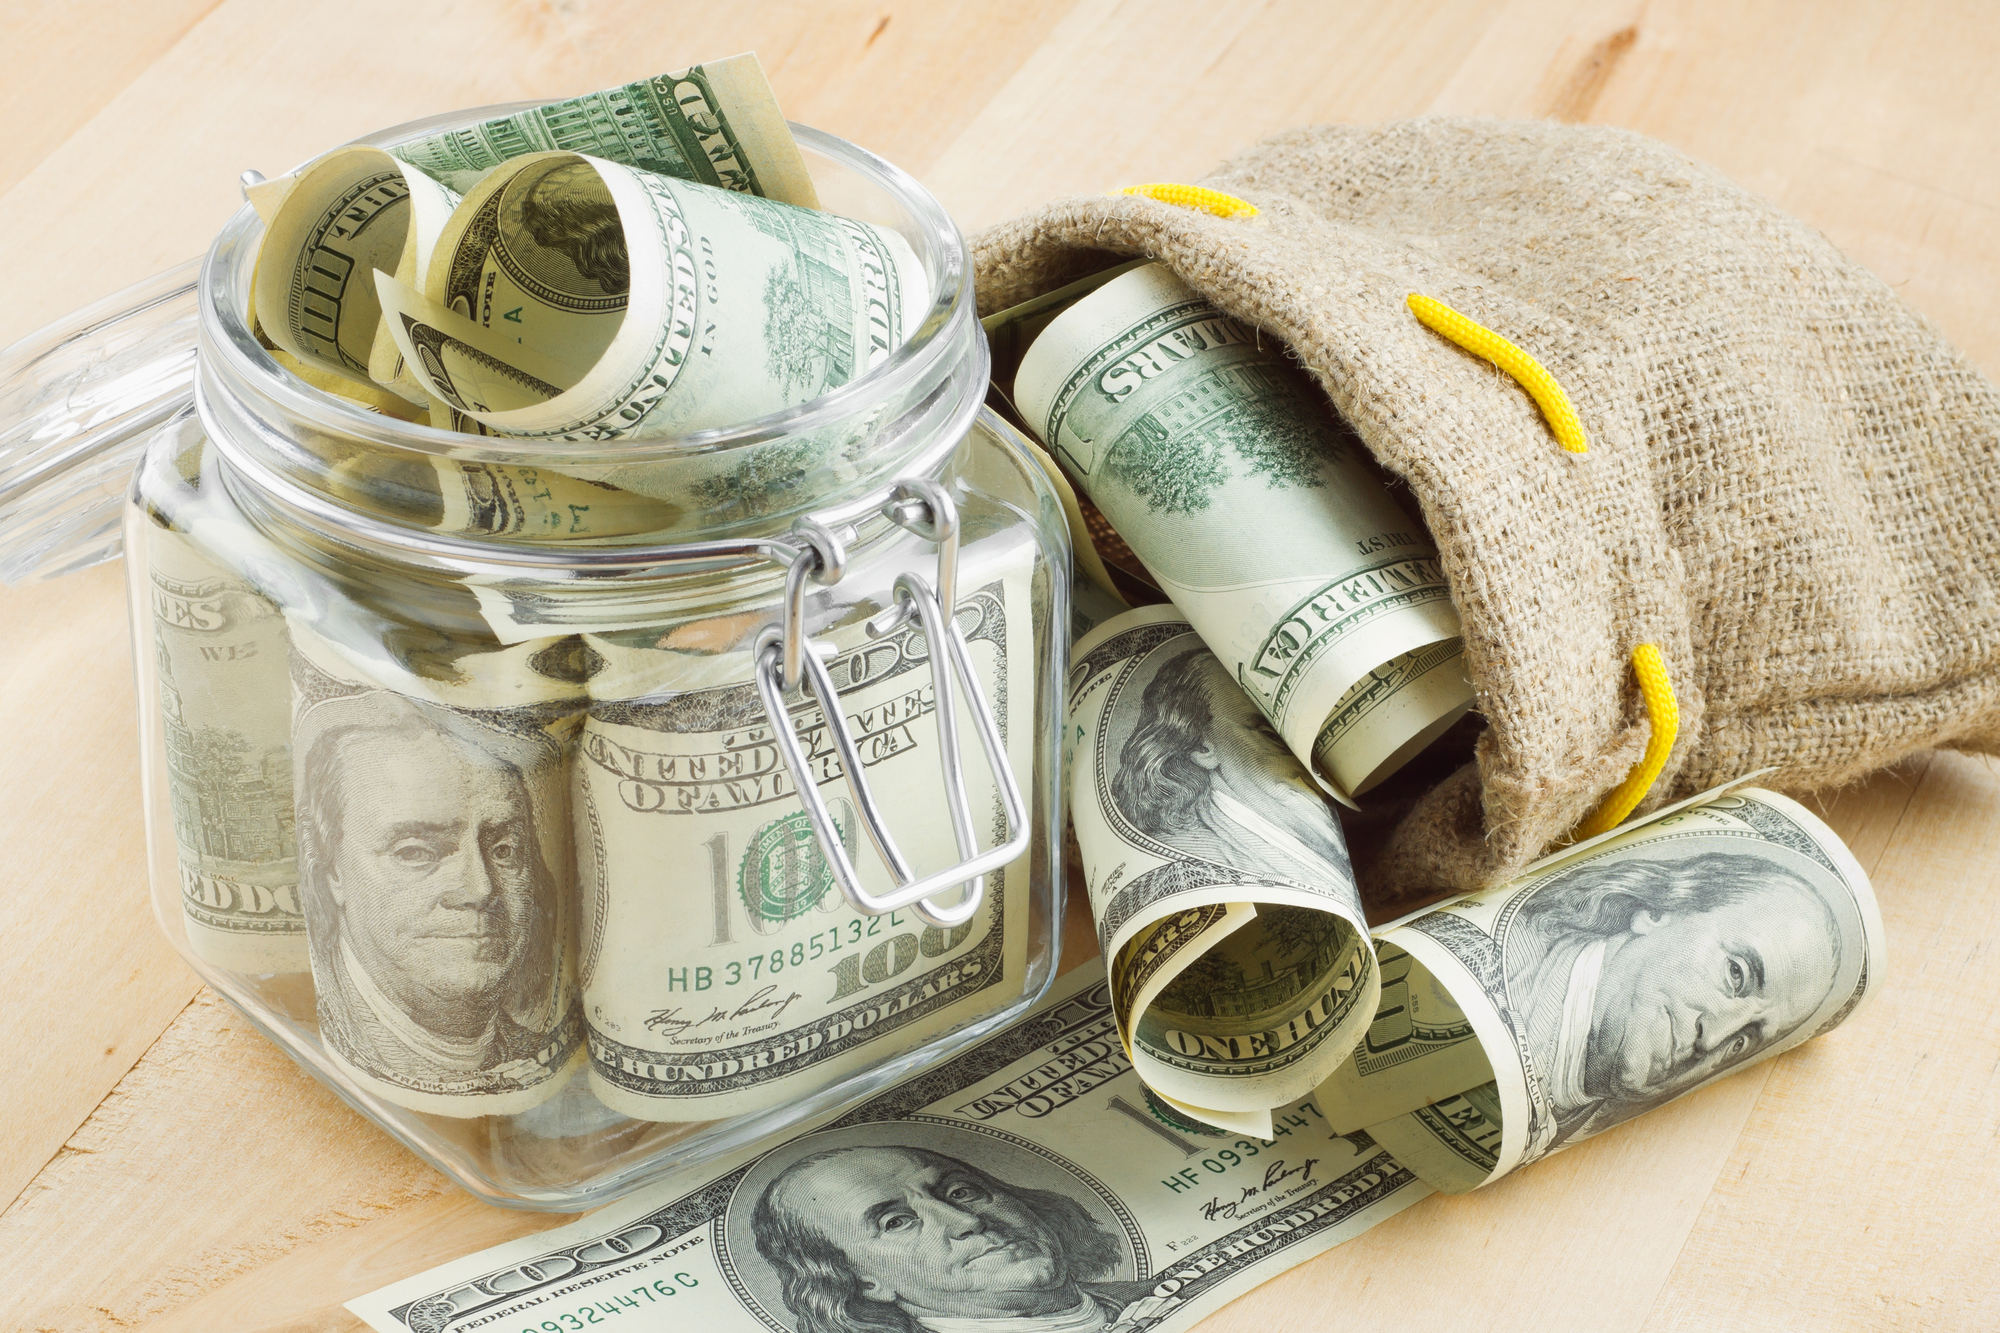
(1792, 478)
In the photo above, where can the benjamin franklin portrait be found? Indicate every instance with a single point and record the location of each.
(569, 211)
(1196, 766)
(914, 1227)
(1649, 976)
(429, 896)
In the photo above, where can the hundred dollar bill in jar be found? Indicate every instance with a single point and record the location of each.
(225, 707)
(723, 969)
(576, 832)
(436, 876)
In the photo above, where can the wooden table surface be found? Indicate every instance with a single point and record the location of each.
(162, 1166)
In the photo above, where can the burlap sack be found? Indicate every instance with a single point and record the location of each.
(1791, 482)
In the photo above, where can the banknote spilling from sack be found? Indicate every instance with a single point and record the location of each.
(1469, 1038)
(1306, 648)
(1038, 1182)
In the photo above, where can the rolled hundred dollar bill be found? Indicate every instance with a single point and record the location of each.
(437, 878)
(1227, 474)
(358, 209)
(723, 972)
(575, 298)
(225, 703)
(1024, 1185)
(347, 214)
(1609, 981)
(1218, 876)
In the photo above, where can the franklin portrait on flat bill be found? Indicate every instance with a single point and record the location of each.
(880, 1229)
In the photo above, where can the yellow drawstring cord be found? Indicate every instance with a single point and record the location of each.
(1482, 341)
(1196, 196)
(1665, 715)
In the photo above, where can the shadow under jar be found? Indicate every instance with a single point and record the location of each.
(476, 783)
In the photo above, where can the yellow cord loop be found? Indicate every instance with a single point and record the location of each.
(1196, 196)
(1482, 341)
(1665, 715)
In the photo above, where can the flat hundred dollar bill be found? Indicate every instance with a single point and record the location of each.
(1027, 1181)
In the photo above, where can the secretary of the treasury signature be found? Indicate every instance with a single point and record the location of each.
(764, 1006)
(1276, 1174)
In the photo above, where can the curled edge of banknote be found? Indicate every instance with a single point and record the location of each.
(1613, 978)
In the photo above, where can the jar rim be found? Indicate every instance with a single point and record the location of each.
(229, 345)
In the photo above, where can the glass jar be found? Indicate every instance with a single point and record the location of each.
(493, 781)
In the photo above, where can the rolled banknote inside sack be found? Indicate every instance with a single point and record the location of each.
(436, 874)
(1609, 981)
(225, 705)
(1240, 961)
(723, 971)
(1248, 501)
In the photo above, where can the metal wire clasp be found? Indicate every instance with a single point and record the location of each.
(786, 659)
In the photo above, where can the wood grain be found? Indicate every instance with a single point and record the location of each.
(90, 981)
(1851, 1184)
(215, 1156)
(69, 60)
(1860, 1194)
(1123, 92)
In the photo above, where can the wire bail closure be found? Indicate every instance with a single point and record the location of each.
(786, 659)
